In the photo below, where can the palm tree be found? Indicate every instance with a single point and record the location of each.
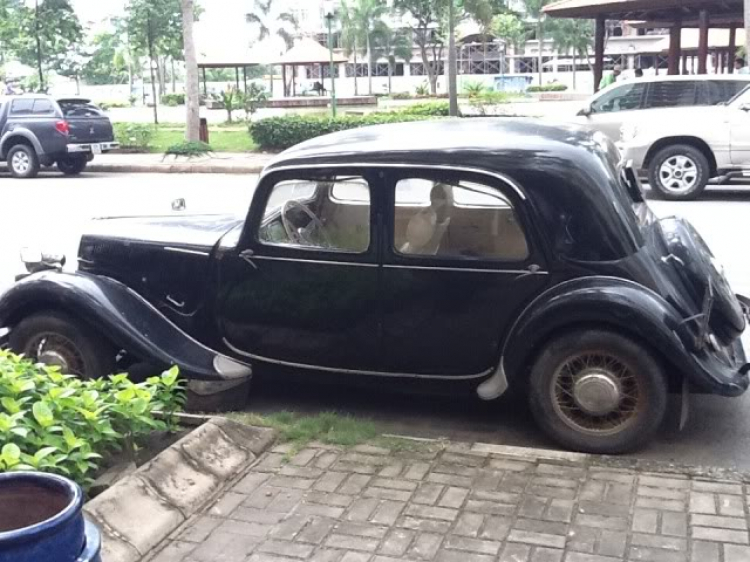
(192, 82)
(269, 21)
(534, 12)
(392, 45)
(350, 40)
(362, 17)
(572, 36)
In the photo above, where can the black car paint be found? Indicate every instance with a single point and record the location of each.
(316, 309)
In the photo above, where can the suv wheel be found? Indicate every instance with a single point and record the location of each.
(72, 165)
(598, 392)
(56, 339)
(679, 172)
(23, 161)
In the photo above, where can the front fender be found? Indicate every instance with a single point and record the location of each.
(629, 308)
(123, 315)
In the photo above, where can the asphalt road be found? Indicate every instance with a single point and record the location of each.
(52, 211)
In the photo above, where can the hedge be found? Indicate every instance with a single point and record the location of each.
(547, 88)
(278, 133)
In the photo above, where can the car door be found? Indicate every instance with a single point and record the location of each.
(609, 111)
(459, 265)
(738, 121)
(301, 288)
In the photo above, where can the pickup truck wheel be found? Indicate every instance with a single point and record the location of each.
(596, 391)
(679, 172)
(72, 165)
(57, 339)
(23, 162)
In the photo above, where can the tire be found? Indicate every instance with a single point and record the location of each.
(63, 341)
(72, 165)
(679, 172)
(587, 360)
(23, 162)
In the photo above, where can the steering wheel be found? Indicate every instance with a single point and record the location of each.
(303, 236)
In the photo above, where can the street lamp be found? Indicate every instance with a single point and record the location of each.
(329, 8)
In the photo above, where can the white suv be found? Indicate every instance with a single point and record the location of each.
(681, 149)
(610, 108)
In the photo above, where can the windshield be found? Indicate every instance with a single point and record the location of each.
(79, 108)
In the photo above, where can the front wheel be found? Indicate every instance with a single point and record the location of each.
(72, 165)
(56, 339)
(596, 391)
(679, 172)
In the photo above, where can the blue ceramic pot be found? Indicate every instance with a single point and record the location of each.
(41, 520)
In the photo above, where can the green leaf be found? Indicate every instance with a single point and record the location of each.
(11, 453)
(41, 454)
(12, 405)
(42, 414)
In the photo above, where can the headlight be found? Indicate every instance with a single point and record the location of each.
(628, 132)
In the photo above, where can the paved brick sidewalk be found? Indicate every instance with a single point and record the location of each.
(217, 163)
(462, 504)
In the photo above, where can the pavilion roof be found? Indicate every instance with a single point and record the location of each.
(308, 51)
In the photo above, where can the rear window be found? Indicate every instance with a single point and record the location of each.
(671, 94)
(721, 91)
(80, 108)
(22, 106)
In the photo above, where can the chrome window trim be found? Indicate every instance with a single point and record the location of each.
(497, 175)
(186, 251)
(355, 371)
(324, 262)
(468, 269)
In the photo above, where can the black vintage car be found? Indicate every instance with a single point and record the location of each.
(498, 253)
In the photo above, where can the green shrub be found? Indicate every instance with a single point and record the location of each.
(58, 423)
(474, 89)
(134, 136)
(400, 96)
(188, 149)
(282, 132)
(114, 104)
(547, 88)
(423, 90)
(173, 100)
(428, 109)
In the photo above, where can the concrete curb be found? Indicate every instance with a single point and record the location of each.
(172, 169)
(141, 510)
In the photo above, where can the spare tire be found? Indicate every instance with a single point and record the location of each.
(697, 266)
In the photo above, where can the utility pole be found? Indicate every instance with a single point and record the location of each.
(452, 67)
(192, 85)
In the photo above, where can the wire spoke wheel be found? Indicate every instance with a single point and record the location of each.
(56, 350)
(596, 393)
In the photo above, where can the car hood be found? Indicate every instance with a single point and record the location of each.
(202, 231)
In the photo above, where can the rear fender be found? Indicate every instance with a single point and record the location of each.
(624, 306)
(123, 316)
(7, 138)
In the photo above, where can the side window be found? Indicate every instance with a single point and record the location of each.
(331, 214)
(43, 107)
(23, 106)
(457, 219)
(623, 98)
(671, 94)
(721, 91)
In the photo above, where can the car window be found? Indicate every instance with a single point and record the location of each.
(331, 214)
(622, 98)
(43, 107)
(671, 94)
(456, 219)
(79, 108)
(23, 106)
(721, 91)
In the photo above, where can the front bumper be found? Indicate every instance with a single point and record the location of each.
(92, 147)
(634, 152)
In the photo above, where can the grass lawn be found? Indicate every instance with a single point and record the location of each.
(221, 141)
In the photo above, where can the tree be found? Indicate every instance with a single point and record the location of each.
(427, 17)
(574, 37)
(8, 28)
(510, 29)
(192, 89)
(362, 16)
(270, 22)
(45, 35)
(392, 45)
(350, 39)
(747, 26)
(534, 11)
(106, 65)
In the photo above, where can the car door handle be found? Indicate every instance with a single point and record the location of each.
(247, 257)
(533, 269)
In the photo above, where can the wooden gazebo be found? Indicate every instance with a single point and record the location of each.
(672, 14)
(306, 52)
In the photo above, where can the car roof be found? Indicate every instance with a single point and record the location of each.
(696, 77)
(466, 142)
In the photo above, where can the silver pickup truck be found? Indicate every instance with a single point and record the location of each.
(681, 149)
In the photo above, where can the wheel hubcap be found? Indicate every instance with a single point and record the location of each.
(56, 351)
(678, 174)
(54, 359)
(21, 162)
(596, 393)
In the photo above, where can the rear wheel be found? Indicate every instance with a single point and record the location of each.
(72, 165)
(57, 339)
(679, 172)
(596, 391)
(23, 161)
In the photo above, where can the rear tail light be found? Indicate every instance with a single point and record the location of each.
(63, 127)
